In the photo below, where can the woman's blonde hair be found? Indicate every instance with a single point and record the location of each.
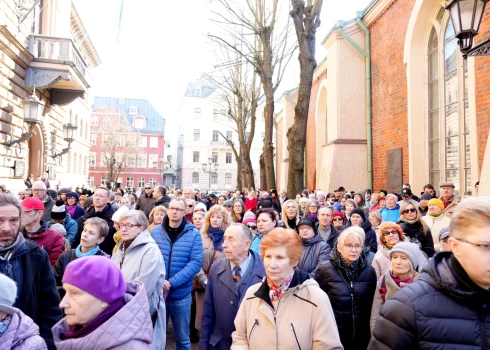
(216, 209)
(352, 232)
(284, 217)
(418, 217)
(157, 209)
(377, 215)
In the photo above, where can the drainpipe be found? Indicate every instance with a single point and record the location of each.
(367, 55)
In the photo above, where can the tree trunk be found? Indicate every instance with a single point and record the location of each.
(263, 180)
(247, 171)
(239, 170)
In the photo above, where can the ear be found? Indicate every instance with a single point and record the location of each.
(100, 240)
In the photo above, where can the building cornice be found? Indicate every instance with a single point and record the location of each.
(375, 11)
(14, 49)
(81, 37)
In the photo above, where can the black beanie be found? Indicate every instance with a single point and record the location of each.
(306, 221)
(359, 212)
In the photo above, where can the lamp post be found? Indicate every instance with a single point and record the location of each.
(209, 165)
(69, 136)
(161, 166)
(466, 16)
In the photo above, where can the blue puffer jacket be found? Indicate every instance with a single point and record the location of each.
(183, 258)
(71, 227)
(390, 214)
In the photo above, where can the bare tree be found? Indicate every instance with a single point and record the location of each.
(264, 44)
(306, 19)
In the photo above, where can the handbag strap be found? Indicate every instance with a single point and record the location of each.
(210, 262)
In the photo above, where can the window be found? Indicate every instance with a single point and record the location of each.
(229, 135)
(215, 114)
(228, 179)
(105, 140)
(129, 182)
(214, 155)
(130, 160)
(197, 113)
(222, 113)
(153, 142)
(152, 181)
(195, 157)
(198, 91)
(93, 139)
(152, 158)
(142, 141)
(93, 159)
(91, 181)
(197, 135)
(94, 121)
(141, 182)
(228, 158)
(133, 110)
(103, 181)
(214, 179)
(142, 161)
(195, 177)
(215, 135)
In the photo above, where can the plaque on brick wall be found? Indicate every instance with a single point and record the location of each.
(394, 170)
(19, 168)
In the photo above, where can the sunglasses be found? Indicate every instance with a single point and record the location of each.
(227, 206)
(411, 210)
(190, 206)
(147, 188)
(252, 227)
(338, 219)
(390, 232)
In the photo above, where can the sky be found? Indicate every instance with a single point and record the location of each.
(163, 47)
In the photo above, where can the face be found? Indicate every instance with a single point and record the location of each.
(381, 195)
(312, 208)
(216, 220)
(101, 198)
(325, 217)
(189, 207)
(306, 232)
(38, 191)
(297, 198)
(148, 189)
(71, 201)
(410, 212)
(357, 198)
(235, 245)
(390, 237)
(423, 203)
(343, 201)
(80, 307)
(447, 191)
(367, 195)
(291, 210)
(390, 202)
(252, 226)
(351, 249)
(125, 201)
(27, 193)
(32, 217)
(356, 220)
(282, 194)
(237, 208)
(434, 209)
(277, 264)
(374, 222)
(63, 196)
(338, 222)
(81, 202)
(227, 207)
(158, 217)
(128, 234)
(302, 204)
(9, 225)
(400, 264)
(265, 224)
(21, 195)
(198, 220)
(221, 200)
(382, 202)
(348, 208)
(188, 194)
(429, 191)
(176, 211)
(90, 236)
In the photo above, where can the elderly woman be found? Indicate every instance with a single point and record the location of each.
(436, 220)
(198, 219)
(350, 205)
(216, 221)
(237, 211)
(404, 258)
(375, 220)
(338, 221)
(315, 249)
(391, 210)
(290, 214)
(415, 228)
(266, 221)
(115, 219)
(140, 259)
(312, 210)
(303, 206)
(350, 284)
(189, 209)
(305, 321)
(156, 216)
(374, 202)
(97, 302)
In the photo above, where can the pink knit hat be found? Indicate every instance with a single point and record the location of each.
(247, 220)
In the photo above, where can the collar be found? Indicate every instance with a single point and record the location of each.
(244, 265)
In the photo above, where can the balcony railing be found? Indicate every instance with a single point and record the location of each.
(219, 143)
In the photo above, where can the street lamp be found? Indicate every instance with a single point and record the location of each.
(210, 166)
(466, 16)
(161, 167)
(69, 136)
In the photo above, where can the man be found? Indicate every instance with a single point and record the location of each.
(160, 196)
(228, 280)
(283, 196)
(424, 203)
(188, 193)
(430, 190)
(325, 227)
(407, 185)
(101, 209)
(45, 180)
(25, 262)
(391, 210)
(407, 196)
(447, 308)
(39, 191)
(146, 202)
(448, 198)
(181, 246)
(367, 197)
(62, 193)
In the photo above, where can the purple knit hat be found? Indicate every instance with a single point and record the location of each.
(97, 276)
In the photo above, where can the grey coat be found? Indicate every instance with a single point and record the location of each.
(144, 262)
(315, 253)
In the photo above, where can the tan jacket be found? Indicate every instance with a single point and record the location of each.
(451, 207)
(436, 224)
(207, 255)
(303, 320)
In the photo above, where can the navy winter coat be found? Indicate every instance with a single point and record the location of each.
(183, 258)
(106, 214)
(222, 301)
(315, 253)
(416, 234)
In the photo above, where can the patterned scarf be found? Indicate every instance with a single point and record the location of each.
(4, 325)
(447, 202)
(275, 292)
(349, 269)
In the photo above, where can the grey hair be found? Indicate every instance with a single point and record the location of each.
(10, 199)
(138, 216)
(246, 232)
(354, 232)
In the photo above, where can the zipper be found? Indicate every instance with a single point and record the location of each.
(295, 337)
(169, 260)
(253, 328)
(352, 311)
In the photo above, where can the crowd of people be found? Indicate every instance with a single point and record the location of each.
(107, 269)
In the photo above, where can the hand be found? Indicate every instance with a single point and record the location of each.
(166, 286)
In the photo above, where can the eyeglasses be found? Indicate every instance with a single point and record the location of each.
(128, 226)
(175, 209)
(411, 210)
(338, 219)
(190, 206)
(389, 233)
(147, 188)
(227, 206)
(485, 246)
(252, 227)
(355, 247)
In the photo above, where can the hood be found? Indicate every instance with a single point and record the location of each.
(21, 328)
(363, 202)
(142, 239)
(312, 241)
(40, 231)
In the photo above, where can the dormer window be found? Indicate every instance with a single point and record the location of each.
(198, 91)
(139, 122)
(133, 110)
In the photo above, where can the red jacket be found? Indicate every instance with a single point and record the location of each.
(51, 241)
(251, 204)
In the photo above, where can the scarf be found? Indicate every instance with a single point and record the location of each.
(71, 209)
(7, 252)
(436, 215)
(78, 331)
(275, 292)
(4, 325)
(216, 234)
(411, 222)
(349, 269)
(447, 202)
(292, 223)
(80, 254)
(398, 281)
(313, 217)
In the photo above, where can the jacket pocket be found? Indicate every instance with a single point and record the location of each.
(256, 323)
(295, 337)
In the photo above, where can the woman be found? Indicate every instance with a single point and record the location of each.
(382, 203)
(374, 203)
(97, 302)
(404, 258)
(315, 249)
(221, 199)
(251, 201)
(375, 219)
(72, 207)
(140, 259)
(350, 205)
(297, 198)
(312, 210)
(321, 200)
(189, 209)
(82, 200)
(251, 223)
(266, 221)
(338, 221)
(304, 321)
(436, 220)
(290, 214)
(156, 216)
(414, 228)
(350, 284)
(198, 219)
(343, 201)
(237, 211)
(358, 218)
(115, 219)
(303, 206)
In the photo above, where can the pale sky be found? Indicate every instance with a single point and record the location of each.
(163, 46)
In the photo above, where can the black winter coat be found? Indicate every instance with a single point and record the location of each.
(444, 309)
(351, 300)
(414, 231)
(370, 238)
(106, 214)
(315, 253)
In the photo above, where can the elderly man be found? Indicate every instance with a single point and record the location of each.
(188, 193)
(40, 191)
(391, 210)
(228, 280)
(448, 198)
(25, 262)
(146, 202)
(325, 227)
(282, 196)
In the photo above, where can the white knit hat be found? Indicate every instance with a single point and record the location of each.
(8, 294)
(117, 215)
(411, 250)
(200, 206)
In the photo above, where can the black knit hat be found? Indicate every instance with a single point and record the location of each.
(59, 211)
(305, 221)
(359, 212)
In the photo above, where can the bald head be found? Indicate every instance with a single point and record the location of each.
(237, 241)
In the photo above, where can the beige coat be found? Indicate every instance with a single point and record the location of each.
(451, 207)
(303, 320)
(436, 224)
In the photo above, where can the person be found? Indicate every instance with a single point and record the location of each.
(251, 201)
(115, 219)
(375, 220)
(188, 193)
(407, 196)
(17, 331)
(59, 215)
(216, 221)
(305, 321)
(97, 302)
(72, 207)
(374, 203)
(312, 210)
(28, 182)
(315, 250)
(81, 201)
(180, 244)
(189, 209)
(266, 221)
(424, 204)
(338, 220)
(139, 259)
(444, 240)
(290, 214)
(367, 195)
(101, 209)
(146, 202)
(94, 232)
(160, 196)
(350, 284)
(403, 258)
(448, 198)
(198, 219)
(39, 191)
(221, 199)
(283, 197)
(359, 198)
(156, 216)
(350, 205)
(250, 221)
(124, 202)
(436, 220)
(303, 206)
(429, 189)
(26, 263)
(358, 218)
(446, 307)
(324, 226)
(38, 231)
(391, 210)
(238, 210)
(415, 228)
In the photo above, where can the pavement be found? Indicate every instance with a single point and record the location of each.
(171, 338)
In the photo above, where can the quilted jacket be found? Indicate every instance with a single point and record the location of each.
(70, 225)
(183, 258)
(22, 334)
(315, 253)
(390, 214)
(129, 329)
